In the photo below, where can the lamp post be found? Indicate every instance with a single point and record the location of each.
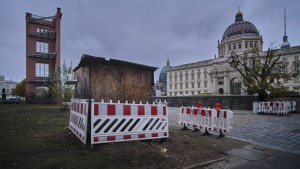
(268, 93)
(276, 86)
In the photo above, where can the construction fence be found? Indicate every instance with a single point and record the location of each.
(115, 122)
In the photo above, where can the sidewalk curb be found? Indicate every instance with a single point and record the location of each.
(205, 163)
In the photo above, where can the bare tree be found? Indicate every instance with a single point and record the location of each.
(58, 82)
(261, 72)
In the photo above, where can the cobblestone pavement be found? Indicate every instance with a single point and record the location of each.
(278, 132)
(273, 131)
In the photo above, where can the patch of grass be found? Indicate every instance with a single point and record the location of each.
(37, 136)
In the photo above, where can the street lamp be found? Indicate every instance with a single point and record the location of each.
(276, 86)
(268, 93)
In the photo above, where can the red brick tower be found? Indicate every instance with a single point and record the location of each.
(42, 54)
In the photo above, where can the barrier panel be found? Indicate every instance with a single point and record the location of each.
(293, 106)
(115, 122)
(225, 119)
(185, 116)
(204, 118)
(277, 107)
(78, 118)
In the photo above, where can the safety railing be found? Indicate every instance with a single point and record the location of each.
(208, 119)
(277, 107)
(115, 122)
(78, 118)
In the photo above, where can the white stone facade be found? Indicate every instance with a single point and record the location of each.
(9, 86)
(215, 76)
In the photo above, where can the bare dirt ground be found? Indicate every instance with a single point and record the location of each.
(37, 136)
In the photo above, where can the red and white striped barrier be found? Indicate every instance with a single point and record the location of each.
(277, 107)
(225, 119)
(185, 116)
(78, 118)
(115, 122)
(208, 119)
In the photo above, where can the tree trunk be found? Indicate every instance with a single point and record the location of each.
(262, 95)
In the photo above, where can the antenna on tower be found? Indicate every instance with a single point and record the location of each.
(284, 22)
(285, 43)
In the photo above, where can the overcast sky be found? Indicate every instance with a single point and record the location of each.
(141, 31)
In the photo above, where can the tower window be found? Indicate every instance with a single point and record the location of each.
(41, 70)
(41, 47)
(246, 44)
(240, 45)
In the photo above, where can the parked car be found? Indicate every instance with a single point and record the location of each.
(2, 101)
(12, 101)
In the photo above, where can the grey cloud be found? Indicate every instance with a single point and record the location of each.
(141, 31)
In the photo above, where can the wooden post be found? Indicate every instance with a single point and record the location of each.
(89, 116)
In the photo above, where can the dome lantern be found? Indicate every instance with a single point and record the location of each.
(238, 15)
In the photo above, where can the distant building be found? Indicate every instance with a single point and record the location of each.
(42, 52)
(113, 79)
(215, 76)
(163, 79)
(1, 84)
(10, 85)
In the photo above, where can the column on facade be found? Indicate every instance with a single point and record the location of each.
(225, 82)
(215, 82)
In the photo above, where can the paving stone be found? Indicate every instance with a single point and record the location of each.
(272, 131)
(280, 133)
